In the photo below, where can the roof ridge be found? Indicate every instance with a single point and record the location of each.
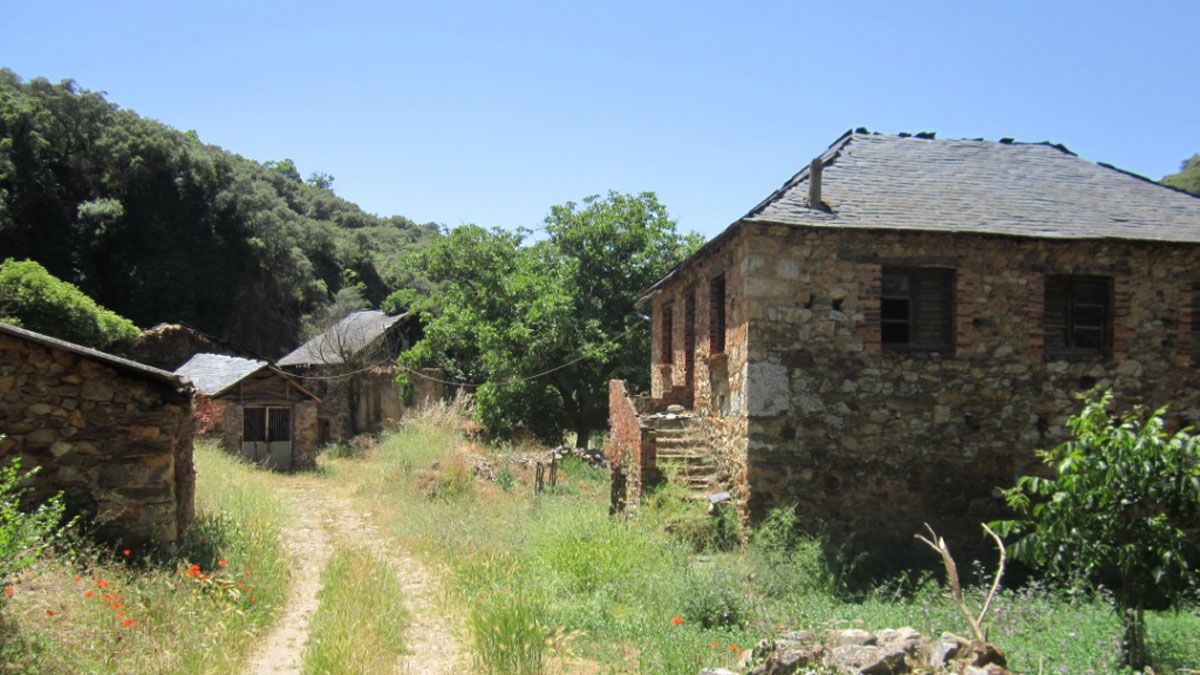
(1139, 176)
(827, 157)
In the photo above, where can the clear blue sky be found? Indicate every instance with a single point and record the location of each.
(489, 113)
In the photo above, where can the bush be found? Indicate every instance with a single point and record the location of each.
(23, 535)
(688, 519)
(43, 303)
(713, 601)
(509, 634)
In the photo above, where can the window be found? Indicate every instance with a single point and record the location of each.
(915, 308)
(666, 328)
(266, 425)
(716, 315)
(1078, 314)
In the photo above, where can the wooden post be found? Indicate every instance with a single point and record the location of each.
(554, 471)
(539, 472)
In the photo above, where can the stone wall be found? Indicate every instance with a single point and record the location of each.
(118, 445)
(861, 437)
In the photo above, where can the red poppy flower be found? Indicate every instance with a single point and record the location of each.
(102, 583)
(733, 648)
(713, 645)
(193, 570)
(9, 590)
(115, 605)
(128, 622)
(125, 553)
(221, 563)
(49, 612)
(677, 620)
(77, 579)
(120, 615)
(89, 594)
(252, 599)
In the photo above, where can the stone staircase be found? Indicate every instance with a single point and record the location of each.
(682, 453)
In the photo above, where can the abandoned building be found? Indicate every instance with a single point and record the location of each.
(169, 345)
(113, 435)
(260, 413)
(351, 367)
(887, 338)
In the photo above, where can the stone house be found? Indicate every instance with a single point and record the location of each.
(887, 337)
(260, 413)
(113, 435)
(351, 367)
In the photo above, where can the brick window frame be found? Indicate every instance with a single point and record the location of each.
(666, 328)
(917, 307)
(716, 314)
(1078, 313)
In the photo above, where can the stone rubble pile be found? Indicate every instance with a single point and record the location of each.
(859, 652)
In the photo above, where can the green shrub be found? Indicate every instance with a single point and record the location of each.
(23, 534)
(43, 303)
(672, 507)
(712, 600)
(505, 479)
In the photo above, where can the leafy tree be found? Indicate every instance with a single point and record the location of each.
(33, 298)
(159, 226)
(1121, 500)
(543, 325)
(1188, 177)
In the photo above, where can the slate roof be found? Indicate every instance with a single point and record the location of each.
(124, 365)
(351, 335)
(1022, 189)
(212, 374)
(872, 181)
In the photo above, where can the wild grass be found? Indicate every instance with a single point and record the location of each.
(359, 624)
(88, 609)
(665, 592)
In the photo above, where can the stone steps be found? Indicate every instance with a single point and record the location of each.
(682, 446)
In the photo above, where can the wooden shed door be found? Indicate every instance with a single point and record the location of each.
(267, 436)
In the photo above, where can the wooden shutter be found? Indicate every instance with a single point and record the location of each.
(667, 353)
(931, 309)
(1055, 323)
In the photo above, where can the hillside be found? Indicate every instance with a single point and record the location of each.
(159, 226)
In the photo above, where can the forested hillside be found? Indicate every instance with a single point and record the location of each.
(158, 226)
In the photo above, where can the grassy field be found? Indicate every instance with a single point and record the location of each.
(93, 610)
(540, 579)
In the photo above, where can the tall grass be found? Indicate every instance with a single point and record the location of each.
(359, 624)
(656, 592)
(96, 610)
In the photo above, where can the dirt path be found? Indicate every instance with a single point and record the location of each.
(325, 520)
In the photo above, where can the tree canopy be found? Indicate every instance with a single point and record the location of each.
(33, 298)
(159, 226)
(543, 324)
(1188, 177)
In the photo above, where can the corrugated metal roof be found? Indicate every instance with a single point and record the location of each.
(116, 362)
(212, 374)
(1041, 190)
(352, 334)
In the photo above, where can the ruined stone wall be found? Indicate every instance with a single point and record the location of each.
(628, 450)
(118, 446)
(862, 437)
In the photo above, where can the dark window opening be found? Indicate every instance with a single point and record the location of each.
(1195, 321)
(915, 309)
(1078, 314)
(716, 309)
(667, 328)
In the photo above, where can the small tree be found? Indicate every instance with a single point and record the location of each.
(1121, 500)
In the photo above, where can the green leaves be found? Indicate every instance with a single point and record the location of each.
(1188, 177)
(42, 303)
(545, 324)
(1121, 501)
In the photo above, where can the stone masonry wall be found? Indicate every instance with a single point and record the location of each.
(118, 446)
(860, 437)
